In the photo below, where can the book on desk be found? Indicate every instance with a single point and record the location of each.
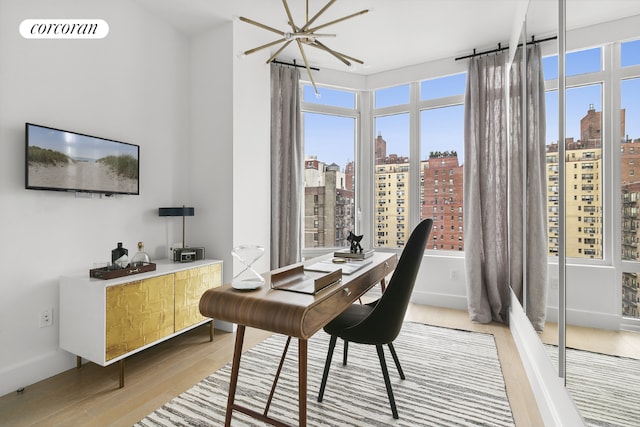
(346, 253)
(347, 267)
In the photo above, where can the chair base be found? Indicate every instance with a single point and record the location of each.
(383, 366)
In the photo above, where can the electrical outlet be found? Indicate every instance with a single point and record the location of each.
(46, 318)
(554, 283)
(455, 274)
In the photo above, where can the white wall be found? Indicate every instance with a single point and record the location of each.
(147, 84)
(251, 146)
(231, 133)
(130, 86)
(211, 174)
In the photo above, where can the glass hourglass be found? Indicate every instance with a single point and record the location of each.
(248, 278)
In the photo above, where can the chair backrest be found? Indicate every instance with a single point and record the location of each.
(383, 325)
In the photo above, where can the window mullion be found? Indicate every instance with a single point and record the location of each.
(414, 156)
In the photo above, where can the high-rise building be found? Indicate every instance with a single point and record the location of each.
(583, 198)
(630, 227)
(392, 203)
(391, 199)
(583, 189)
(328, 205)
(443, 200)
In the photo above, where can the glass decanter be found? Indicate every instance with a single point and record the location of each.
(140, 258)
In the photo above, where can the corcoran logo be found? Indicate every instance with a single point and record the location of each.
(64, 28)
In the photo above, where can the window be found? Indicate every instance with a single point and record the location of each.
(329, 167)
(443, 87)
(328, 96)
(630, 117)
(396, 95)
(630, 183)
(391, 147)
(441, 154)
(576, 63)
(630, 54)
(583, 148)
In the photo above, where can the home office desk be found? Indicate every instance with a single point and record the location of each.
(289, 313)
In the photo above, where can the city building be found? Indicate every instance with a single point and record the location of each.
(328, 204)
(443, 200)
(391, 217)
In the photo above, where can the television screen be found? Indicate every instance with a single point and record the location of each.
(68, 161)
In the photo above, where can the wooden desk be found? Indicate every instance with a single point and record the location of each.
(289, 313)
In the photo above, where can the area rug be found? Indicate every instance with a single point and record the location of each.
(453, 378)
(606, 389)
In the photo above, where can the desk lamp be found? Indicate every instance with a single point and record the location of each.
(183, 211)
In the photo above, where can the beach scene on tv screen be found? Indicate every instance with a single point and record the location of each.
(65, 160)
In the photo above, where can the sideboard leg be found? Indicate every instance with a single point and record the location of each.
(121, 369)
(78, 362)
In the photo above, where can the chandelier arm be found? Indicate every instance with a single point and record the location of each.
(317, 15)
(264, 27)
(255, 49)
(344, 18)
(286, 9)
(323, 47)
(326, 48)
(283, 47)
(306, 64)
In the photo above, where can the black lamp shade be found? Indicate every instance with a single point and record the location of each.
(181, 211)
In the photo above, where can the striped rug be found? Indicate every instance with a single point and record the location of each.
(606, 389)
(454, 378)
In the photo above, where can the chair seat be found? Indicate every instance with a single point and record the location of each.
(353, 315)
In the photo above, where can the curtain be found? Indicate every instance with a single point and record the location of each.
(493, 196)
(286, 166)
(536, 218)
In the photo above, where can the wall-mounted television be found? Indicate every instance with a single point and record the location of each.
(62, 160)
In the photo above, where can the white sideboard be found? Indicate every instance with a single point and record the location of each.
(105, 321)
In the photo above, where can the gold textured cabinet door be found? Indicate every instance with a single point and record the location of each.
(190, 285)
(138, 313)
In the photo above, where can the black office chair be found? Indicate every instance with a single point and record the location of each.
(379, 322)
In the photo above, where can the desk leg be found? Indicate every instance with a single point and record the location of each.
(383, 284)
(233, 382)
(302, 382)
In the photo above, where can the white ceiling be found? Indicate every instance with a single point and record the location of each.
(395, 33)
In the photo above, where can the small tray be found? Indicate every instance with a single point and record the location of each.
(110, 273)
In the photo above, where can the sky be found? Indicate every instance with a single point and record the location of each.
(331, 138)
(78, 146)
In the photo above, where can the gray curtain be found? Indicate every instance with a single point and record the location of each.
(536, 213)
(493, 196)
(286, 166)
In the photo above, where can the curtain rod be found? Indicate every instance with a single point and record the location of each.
(275, 61)
(501, 48)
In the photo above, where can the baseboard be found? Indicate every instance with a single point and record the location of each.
(554, 402)
(34, 370)
(588, 319)
(458, 302)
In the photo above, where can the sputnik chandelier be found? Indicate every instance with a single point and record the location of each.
(304, 36)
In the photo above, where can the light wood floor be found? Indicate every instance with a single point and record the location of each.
(90, 396)
(616, 343)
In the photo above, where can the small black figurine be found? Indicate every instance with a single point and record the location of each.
(355, 242)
